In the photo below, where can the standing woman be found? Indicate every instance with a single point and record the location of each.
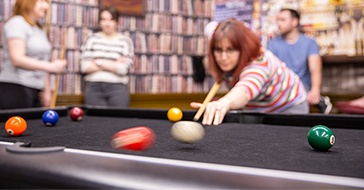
(259, 81)
(106, 59)
(26, 66)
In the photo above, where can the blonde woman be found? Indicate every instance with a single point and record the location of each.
(26, 66)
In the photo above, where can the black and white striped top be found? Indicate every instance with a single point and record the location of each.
(99, 46)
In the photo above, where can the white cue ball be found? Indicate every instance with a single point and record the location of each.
(187, 131)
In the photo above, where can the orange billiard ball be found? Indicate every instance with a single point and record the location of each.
(15, 126)
(174, 114)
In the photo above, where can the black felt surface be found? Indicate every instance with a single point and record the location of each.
(252, 145)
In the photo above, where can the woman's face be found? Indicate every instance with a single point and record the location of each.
(108, 25)
(39, 10)
(227, 57)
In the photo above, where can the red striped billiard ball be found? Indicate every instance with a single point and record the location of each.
(76, 113)
(135, 138)
(15, 126)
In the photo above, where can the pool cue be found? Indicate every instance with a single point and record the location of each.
(208, 98)
(58, 76)
(48, 18)
(47, 28)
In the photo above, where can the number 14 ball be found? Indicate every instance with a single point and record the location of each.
(321, 138)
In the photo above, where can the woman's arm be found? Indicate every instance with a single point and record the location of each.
(17, 53)
(215, 112)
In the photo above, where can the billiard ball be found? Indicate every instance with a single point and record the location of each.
(187, 131)
(76, 113)
(321, 138)
(15, 126)
(50, 117)
(136, 138)
(174, 114)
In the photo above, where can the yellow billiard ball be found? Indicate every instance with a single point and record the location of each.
(174, 114)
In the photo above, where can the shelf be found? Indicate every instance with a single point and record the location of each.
(317, 8)
(78, 2)
(150, 54)
(343, 59)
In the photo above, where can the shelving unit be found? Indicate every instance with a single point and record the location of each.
(166, 39)
(5, 12)
(169, 36)
(337, 27)
(73, 20)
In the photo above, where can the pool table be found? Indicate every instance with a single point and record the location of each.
(247, 151)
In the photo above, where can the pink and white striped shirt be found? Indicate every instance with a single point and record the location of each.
(271, 85)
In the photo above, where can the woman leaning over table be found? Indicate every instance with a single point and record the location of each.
(258, 80)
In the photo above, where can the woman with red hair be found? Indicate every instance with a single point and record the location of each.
(258, 80)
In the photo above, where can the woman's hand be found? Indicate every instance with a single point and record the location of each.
(313, 97)
(46, 98)
(57, 66)
(215, 111)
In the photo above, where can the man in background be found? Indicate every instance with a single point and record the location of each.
(301, 54)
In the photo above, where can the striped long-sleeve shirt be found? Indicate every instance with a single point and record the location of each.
(98, 46)
(271, 85)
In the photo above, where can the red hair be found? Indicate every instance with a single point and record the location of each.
(242, 39)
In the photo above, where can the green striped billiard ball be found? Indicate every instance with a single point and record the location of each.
(321, 138)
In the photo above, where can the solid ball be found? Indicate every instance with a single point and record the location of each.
(174, 114)
(50, 117)
(15, 126)
(187, 131)
(136, 139)
(321, 138)
(76, 113)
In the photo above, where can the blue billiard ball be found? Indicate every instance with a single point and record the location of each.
(50, 117)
